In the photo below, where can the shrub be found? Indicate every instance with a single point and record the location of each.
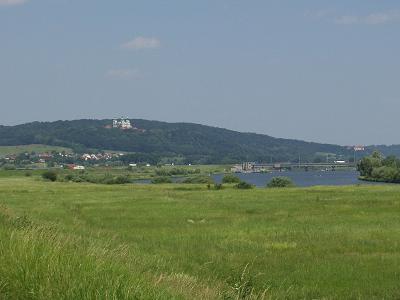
(218, 186)
(279, 182)
(68, 177)
(49, 175)
(9, 167)
(104, 179)
(78, 179)
(244, 185)
(122, 180)
(162, 172)
(387, 174)
(160, 180)
(230, 178)
(199, 179)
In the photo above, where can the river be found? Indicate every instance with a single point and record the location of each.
(302, 178)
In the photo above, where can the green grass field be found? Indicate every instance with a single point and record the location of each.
(135, 173)
(8, 150)
(87, 241)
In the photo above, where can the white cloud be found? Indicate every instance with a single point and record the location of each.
(124, 74)
(140, 42)
(371, 19)
(12, 2)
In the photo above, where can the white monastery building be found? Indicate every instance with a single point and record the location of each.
(122, 123)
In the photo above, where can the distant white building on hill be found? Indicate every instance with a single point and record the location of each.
(122, 123)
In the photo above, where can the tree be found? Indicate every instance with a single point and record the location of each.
(391, 161)
(159, 180)
(244, 185)
(368, 163)
(364, 166)
(376, 167)
(377, 155)
(280, 182)
(50, 175)
(387, 174)
(229, 178)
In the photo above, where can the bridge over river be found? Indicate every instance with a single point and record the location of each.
(305, 166)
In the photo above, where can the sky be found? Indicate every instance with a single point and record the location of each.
(316, 70)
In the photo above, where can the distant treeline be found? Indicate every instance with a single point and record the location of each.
(378, 168)
(161, 142)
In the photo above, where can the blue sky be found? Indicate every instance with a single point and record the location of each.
(325, 71)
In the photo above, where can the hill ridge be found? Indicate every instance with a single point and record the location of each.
(177, 141)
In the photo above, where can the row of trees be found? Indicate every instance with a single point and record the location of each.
(378, 168)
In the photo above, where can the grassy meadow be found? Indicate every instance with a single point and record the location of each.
(87, 241)
(133, 174)
(143, 172)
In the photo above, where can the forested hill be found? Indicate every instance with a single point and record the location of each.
(183, 142)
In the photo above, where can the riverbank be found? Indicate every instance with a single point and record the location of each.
(376, 180)
(301, 178)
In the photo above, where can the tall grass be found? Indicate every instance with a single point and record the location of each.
(41, 263)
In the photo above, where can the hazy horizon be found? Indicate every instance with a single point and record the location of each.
(311, 70)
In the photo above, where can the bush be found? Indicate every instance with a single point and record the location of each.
(229, 178)
(199, 179)
(387, 174)
(162, 172)
(218, 186)
(160, 180)
(105, 179)
(49, 175)
(121, 180)
(280, 182)
(78, 179)
(69, 177)
(244, 185)
(9, 167)
(108, 179)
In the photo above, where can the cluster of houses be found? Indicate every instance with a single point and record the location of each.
(75, 167)
(59, 158)
(10, 158)
(100, 156)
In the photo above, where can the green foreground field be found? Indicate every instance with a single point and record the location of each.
(87, 241)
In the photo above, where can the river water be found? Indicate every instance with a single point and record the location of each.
(302, 178)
